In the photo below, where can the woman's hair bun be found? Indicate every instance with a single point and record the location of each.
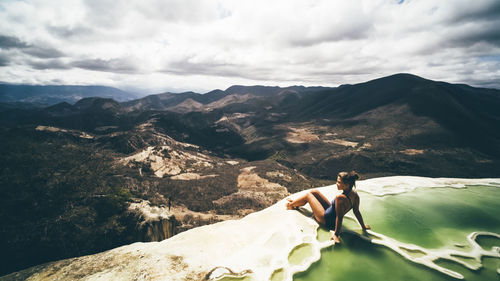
(354, 175)
(349, 177)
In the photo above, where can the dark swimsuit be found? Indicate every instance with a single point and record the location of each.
(330, 214)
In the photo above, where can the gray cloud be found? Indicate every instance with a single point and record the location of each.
(43, 53)
(347, 71)
(360, 29)
(66, 32)
(185, 67)
(49, 64)
(112, 65)
(4, 60)
(119, 65)
(484, 83)
(330, 37)
(475, 23)
(9, 42)
(490, 34)
(471, 13)
(487, 32)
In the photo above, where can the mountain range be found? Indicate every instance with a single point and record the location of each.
(41, 96)
(392, 125)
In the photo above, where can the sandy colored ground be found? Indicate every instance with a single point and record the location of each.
(342, 142)
(308, 134)
(411, 151)
(277, 174)
(256, 188)
(174, 164)
(301, 135)
(191, 176)
(80, 134)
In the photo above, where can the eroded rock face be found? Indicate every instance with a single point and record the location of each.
(153, 223)
(156, 223)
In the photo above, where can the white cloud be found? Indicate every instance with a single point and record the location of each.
(202, 45)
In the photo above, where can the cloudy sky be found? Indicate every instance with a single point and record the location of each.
(156, 45)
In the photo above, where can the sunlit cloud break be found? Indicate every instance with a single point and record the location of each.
(202, 45)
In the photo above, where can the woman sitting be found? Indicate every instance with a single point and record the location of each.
(331, 214)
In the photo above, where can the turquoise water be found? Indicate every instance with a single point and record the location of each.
(431, 218)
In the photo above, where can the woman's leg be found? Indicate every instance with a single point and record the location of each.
(321, 198)
(317, 208)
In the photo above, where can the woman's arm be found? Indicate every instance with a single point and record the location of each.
(359, 217)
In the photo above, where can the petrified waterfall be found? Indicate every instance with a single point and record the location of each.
(152, 223)
(156, 230)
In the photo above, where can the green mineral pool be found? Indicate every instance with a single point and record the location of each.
(429, 225)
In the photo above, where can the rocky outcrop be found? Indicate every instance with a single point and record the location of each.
(152, 223)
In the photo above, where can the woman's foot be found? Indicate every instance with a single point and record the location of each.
(289, 205)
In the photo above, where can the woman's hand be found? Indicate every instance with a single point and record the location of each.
(366, 228)
(335, 238)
